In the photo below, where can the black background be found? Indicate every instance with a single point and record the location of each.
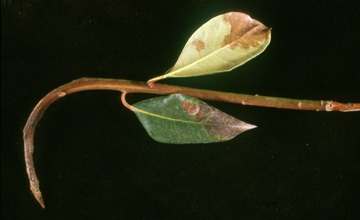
(95, 161)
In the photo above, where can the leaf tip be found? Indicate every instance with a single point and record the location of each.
(248, 126)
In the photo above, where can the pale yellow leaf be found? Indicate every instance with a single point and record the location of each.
(221, 44)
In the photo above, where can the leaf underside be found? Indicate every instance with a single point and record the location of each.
(221, 44)
(181, 119)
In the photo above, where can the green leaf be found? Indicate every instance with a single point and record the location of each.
(221, 44)
(181, 119)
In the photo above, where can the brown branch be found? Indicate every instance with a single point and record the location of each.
(141, 87)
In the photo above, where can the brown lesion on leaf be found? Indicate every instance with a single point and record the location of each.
(245, 31)
(199, 44)
(216, 122)
(191, 108)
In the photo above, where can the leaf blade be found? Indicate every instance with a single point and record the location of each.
(181, 119)
(220, 45)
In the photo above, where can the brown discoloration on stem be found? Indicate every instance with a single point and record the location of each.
(141, 87)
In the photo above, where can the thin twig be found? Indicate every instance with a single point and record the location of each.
(141, 87)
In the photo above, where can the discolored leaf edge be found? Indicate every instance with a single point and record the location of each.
(244, 32)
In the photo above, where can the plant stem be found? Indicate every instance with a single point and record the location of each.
(141, 87)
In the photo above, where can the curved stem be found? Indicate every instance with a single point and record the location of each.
(124, 102)
(141, 87)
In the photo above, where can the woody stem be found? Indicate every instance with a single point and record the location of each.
(128, 86)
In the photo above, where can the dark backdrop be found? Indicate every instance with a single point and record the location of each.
(95, 161)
